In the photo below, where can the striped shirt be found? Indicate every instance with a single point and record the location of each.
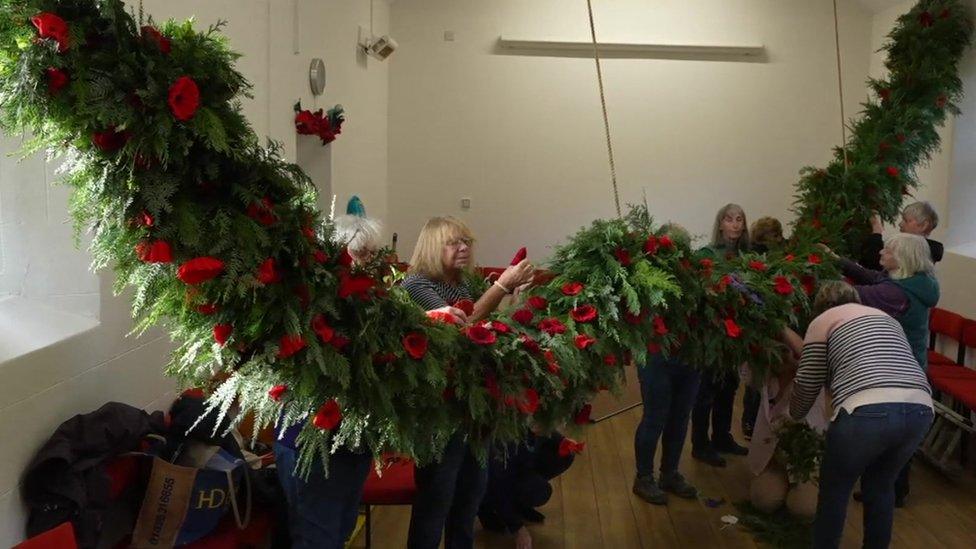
(433, 294)
(863, 357)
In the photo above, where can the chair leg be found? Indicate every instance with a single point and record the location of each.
(369, 527)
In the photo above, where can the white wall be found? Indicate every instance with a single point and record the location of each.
(523, 136)
(949, 181)
(42, 388)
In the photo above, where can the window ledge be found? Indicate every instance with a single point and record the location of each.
(27, 326)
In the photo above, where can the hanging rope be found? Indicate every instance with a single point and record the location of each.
(840, 88)
(603, 104)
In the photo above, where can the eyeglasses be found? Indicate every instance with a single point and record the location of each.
(458, 242)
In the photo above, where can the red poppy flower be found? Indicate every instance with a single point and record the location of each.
(610, 360)
(537, 302)
(530, 344)
(56, 80)
(267, 272)
(632, 319)
(53, 27)
(552, 326)
(529, 402)
(200, 269)
(706, 264)
(441, 316)
(144, 219)
(519, 256)
(465, 305)
(572, 288)
(491, 385)
(307, 123)
(757, 266)
(582, 417)
(321, 327)
(732, 329)
(383, 358)
(660, 328)
(584, 313)
(328, 416)
(221, 333)
(500, 327)
(809, 284)
(262, 212)
(277, 392)
(157, 251)
(320, 257)
(651, 245)
(623, 256)
(415, 343)
(789, 257)
(110, 140)
(480, 335)
(553, 367)
(885, 94)
(925, 19)
(582, 341)
(184, 98)
(893, 171)
(523, 316)
(208, 308)
(814, 259)
(156, 37)
(290, 344)
(568, 447)
(653, 348)
(339, 342)
(355, 285)
(345, 259)
(782, 285)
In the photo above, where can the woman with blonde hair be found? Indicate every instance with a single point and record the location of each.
(716, 396)
(450, 491)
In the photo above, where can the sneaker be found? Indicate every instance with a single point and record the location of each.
(729, 446)
(709, 456)
(677, 485)
(648, 490)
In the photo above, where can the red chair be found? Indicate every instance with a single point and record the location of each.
(395, 487)
(950, 325)
(59, 537)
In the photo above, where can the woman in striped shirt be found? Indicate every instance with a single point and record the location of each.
(449, 492)
(882, 408)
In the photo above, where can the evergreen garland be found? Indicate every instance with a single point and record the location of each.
(222, 243)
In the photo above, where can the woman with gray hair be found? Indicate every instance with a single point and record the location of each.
(882, 408)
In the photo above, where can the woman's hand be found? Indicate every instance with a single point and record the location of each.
(459, 316)
(523, 539)
(519, 289)
(876, 226)
(826, 249)
(517, 275)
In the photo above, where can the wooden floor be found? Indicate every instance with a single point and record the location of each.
(592, 505)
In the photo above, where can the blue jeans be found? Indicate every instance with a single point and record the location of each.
(448, 495)
(873, 443)
(322, 511)
(668, 389)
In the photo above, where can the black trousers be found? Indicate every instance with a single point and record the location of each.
(713, 408)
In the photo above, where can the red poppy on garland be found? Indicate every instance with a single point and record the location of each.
(623, 256)
(200, 269)
(302, 293)
(480, 335)
(553, 368)
(221, 333)
(355, 285)
(893, 171)
(530, 344)
(144, 219)
(925, 19)
(441, 316)
(277, 392)
(339, 342)
(345, 259)
(809, 284)
(208, 309)
(723, 283)
(415, 343)
(500, 327)
(782, 285)
(653, 348)
(584, 313)
(309, 233)
(267, 272)
(757, 266)
(57, 79)
(290, 344)
(529, 402)
(552, 326)
(885, 94)
(706, 264)
(660, 328)
(651, 245)
(582, 417)
(321, 327)
(568, 447)
(184, 98)
(320, 257)
(152, 35)
(665, 242)
(583, 341)
(789, 257)
(110, 140)
(262, 212)
(572, 288)
(632, 319)
(814, 259)
(53, 27)
(732, 329)
(157, 251)
(491, 385)
(610, 360)
(465, 305)
(328, 416)
(944, 14)
(380, 359)
(536, 302)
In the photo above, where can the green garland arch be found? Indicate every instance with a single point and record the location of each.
(220, 239)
